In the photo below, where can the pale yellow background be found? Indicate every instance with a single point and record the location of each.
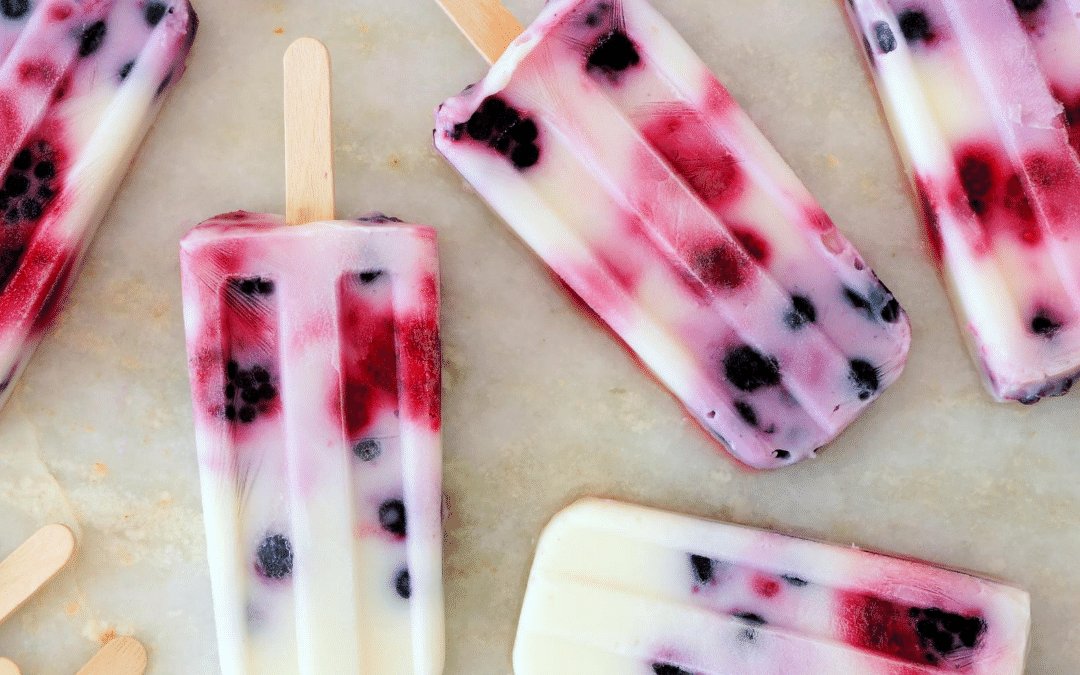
(540, 406)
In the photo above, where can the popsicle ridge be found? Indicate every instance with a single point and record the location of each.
(654, 198)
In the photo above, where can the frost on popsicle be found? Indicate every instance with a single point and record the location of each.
(982, 97)
(80, 83)
(613, 152)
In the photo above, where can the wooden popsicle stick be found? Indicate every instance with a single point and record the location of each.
(121, 656)
(309, 136)
(9, 668)
(31, 565)
(486, 23)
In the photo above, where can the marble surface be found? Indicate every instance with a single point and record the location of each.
(540, 406)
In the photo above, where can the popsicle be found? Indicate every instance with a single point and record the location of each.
(982, 99)
(613, 152)
(80, 83)
(618, 589)
(314, 356)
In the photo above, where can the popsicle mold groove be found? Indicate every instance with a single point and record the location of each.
(617, 588)
(315, 370)
(982, 101)
(608, 146)
(80, 83)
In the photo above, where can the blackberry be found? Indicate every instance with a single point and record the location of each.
(1044, 324)
(885, 38)
(612, 54)
(403, 584)
(505, 130)
(14, 9)
(392, 517)
(367, 449)
(865, 377)
(274, 558)
(915, 26)
(247, 392)
(27, 187)
(92, 37)
(748, 369)
(1024, 6)
(802, 312)
(153, 12)
(703, 568)
(669, 669)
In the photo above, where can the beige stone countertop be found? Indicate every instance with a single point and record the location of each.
(540, 407)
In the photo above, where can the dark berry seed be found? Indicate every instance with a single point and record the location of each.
(865, 377)
(232, 369)
(801, 313)
(746, 412)
(247, 286)
(367, 449)
(31, 209)
(402, 584)
(969, 634)
(703, 568)
(125, 69)
(502, 143)
(369, 276)
(260, 374)
(524, 131)
(92, 38)
(890, 313)
(748, 369)
(915, 26)
(250, 396)
(45, 170)
(267, 392)
(1027, 5)
(274, 558)
(392, 517)
(16, 185)
(45, 192)
(264, 286)
(244, 379)
(23, 160)
(12, 215)
(13, 9)
(885, 38)
(525, 156)
(795, 581)
(781, 454)
(230, 412)
(750, 617)
(230, 390)
(1044, 324)
(669, 669)
(247, 414)
(153, 12)
(614, 53)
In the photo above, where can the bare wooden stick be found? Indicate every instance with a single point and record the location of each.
(121, 656)
(31, 565)
(9, 668)
(486, 23)
(309, 139)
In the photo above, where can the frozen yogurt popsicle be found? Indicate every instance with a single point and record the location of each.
(609, 147)
(618, 589)
(315, 372)
(983, 97)
(80, 83)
